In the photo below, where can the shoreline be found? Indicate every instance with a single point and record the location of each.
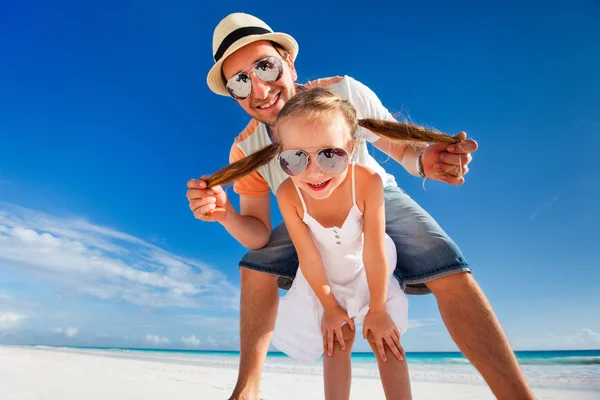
(73, 374)
(545, 376)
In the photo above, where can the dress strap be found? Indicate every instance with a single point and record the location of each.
(353, 185)
(301, 199)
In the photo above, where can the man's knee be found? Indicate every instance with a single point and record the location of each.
(254, 275)
(453, 284)
(259, 298)
(257, 281)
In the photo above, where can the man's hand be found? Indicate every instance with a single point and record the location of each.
(449, 162)
(207, 204)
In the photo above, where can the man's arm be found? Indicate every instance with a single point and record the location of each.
(441, 161)
(404, 153)
(252, 225)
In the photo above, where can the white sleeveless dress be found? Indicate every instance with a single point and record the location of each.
(298, 324)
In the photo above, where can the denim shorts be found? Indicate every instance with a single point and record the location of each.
(425, 251)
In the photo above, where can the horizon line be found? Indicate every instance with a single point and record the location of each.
(269, 352)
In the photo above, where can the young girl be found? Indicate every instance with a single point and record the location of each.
(334, 213)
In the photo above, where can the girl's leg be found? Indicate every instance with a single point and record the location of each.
(337, 370)
(394, 373)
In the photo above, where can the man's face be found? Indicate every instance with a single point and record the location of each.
(267, 98)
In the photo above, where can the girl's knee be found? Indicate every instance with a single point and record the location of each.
(348, 336)
(373, 344)
(371, 338)
(348, 333)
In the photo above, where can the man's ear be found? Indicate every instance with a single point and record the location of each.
(290, 63)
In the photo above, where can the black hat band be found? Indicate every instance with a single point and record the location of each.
(237, 35)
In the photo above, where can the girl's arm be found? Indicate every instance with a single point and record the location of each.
(309, 257)
(377, 321)
(374, 254)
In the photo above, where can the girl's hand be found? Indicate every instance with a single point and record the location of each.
(383, 329)
(331, 325)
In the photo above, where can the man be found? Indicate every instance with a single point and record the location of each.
(255, 66)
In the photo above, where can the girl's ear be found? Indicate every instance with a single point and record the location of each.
(352, 148)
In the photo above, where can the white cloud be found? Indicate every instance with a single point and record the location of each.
(211, 341)
(223, 323)
(10, 320)
(190, 341)
(582, 340)
(154, 339)
(413, 323)
(18, 305)
(103, 335)
(5, 297)
(546, 206)
(68, 332)
(105, 263)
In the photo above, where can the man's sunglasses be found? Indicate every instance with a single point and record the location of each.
(269, 69)
(331, 160)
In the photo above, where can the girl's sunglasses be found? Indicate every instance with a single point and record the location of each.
(332, 161)
(268, 69)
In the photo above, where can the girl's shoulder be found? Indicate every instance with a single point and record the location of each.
(368, 185)
(287, 198)
(366, 178)
(286, 191)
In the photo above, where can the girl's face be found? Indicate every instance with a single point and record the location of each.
(310, 136)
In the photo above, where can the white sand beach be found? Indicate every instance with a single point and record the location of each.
(30, 373)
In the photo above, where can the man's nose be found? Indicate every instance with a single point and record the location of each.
(260, 89)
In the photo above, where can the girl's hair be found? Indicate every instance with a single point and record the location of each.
(313, 104)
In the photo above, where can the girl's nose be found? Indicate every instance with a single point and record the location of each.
(313, 170)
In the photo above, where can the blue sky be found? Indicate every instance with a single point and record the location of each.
(105, 114)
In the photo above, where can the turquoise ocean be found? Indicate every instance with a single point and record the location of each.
(565, 369)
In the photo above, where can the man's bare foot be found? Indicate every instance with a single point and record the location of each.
(245, 395)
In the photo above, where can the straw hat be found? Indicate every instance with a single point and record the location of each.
(236, 31)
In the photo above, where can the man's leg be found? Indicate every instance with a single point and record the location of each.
(473, 326)
(429, 261)
(258, 309)
(262, 272)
